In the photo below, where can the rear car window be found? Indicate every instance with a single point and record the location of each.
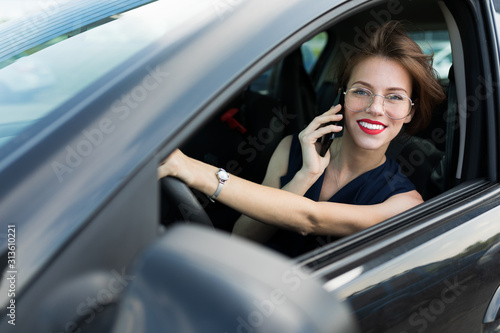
(436, 42)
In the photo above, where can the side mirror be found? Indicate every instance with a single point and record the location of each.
(196, 280)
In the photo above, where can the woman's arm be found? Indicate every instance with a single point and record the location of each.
(252, 229)
(295, 212)
(285, 209)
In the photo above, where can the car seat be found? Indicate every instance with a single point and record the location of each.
(427, 158)
(295, 92)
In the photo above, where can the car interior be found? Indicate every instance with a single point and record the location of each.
(283, 99)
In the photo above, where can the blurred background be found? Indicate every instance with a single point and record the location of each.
(11, 9)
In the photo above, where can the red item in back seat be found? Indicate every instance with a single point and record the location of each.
(228, 118)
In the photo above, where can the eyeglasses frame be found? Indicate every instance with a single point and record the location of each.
(383, 103)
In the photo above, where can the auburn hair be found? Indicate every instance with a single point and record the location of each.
(391, 41)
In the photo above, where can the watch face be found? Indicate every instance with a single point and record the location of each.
(223, 175)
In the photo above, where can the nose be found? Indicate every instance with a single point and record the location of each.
(377, 106)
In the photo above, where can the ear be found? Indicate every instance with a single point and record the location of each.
(410, 116)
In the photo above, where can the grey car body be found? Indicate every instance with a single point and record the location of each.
(79, 186)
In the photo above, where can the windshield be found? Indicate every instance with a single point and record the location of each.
(35, 81)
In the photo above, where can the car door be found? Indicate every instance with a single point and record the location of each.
(434, 274)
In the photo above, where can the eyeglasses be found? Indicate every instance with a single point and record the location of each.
(395, 106)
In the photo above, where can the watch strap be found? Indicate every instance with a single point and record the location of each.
(217, 191)
(222, 181)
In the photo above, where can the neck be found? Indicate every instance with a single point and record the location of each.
(352, 161)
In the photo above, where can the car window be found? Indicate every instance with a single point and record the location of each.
(36, 81)
(436, 42)
(312, 49)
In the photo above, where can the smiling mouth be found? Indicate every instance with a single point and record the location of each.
(371, 128)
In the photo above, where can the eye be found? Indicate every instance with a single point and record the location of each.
(359, 92)
(395, 98)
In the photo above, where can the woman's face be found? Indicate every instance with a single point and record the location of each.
(372, 129)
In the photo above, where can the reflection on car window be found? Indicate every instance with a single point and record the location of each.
(41, 79)
(436, 42)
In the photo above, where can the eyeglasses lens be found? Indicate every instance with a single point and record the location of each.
(396, 106)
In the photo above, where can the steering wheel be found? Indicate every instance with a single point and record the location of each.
(185, 205)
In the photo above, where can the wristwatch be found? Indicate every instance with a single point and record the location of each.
(222, 176)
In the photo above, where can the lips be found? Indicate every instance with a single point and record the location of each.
(371, 127)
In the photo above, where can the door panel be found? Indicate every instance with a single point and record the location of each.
(440, 280)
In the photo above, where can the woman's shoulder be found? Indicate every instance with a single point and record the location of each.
(284, 147)
(278, 164)
(391, 164)
(287, 141)
(288, 148)
(394, 177)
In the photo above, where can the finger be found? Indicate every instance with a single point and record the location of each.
(325, 119)
(334, 109)
(313, 136)
(327, 129)
(333, 117)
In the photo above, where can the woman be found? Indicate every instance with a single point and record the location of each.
(386, 85)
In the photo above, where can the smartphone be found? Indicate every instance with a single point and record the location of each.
(327, 139)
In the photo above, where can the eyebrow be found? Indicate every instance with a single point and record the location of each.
(371, 87)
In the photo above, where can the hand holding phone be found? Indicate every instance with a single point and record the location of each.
(327, 139)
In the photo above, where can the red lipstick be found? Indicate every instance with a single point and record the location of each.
(371, 127)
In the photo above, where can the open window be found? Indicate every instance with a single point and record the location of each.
(285, 97)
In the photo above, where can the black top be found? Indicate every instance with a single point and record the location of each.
(372, 187)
